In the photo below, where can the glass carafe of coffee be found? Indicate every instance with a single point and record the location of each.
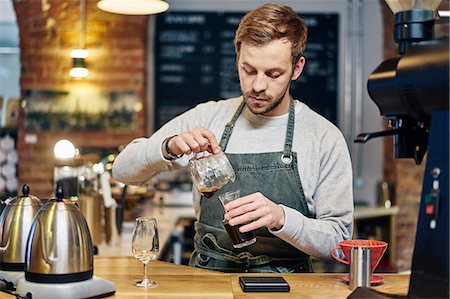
(210, 173)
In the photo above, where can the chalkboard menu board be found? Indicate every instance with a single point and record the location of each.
(195, 62)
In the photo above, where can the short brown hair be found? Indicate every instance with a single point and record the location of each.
(270, 22)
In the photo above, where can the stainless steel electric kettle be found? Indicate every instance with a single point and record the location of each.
(15, 223)
(59, 247)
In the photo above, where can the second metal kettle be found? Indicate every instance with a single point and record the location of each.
(59, 247)
(15, 223)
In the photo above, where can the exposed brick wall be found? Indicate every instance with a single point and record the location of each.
(49, 30)
(404, 173)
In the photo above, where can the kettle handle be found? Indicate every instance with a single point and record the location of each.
(45, 256)
(4, 248)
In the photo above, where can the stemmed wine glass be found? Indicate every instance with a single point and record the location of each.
(145, 245)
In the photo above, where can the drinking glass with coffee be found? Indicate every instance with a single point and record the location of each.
(238, 239)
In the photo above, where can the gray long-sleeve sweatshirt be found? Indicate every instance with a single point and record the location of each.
(323, 161)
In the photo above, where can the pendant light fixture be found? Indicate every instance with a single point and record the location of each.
(133, 7)
(79, 55)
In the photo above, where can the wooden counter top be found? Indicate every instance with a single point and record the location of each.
(175, 281)
(178, 281)
(183, 281)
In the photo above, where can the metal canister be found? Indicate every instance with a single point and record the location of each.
(359, 267)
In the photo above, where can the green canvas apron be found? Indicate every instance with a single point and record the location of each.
(275, 175)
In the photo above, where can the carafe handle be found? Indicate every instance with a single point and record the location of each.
(337, 258)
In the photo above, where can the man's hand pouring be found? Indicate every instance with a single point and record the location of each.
(194, 141)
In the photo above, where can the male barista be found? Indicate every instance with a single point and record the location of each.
(292, 165)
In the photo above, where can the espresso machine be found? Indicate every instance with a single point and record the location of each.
(412, 93)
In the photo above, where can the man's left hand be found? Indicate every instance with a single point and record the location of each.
(256, 210)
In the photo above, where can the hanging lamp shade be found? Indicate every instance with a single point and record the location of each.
(133, 7)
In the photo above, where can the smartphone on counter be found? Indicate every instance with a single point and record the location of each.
(263, 284)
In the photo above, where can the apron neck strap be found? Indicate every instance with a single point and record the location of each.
(287, 153)
(229, 127)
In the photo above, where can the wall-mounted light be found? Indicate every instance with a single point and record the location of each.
(79, 70)
(64, 149)
(133, 7)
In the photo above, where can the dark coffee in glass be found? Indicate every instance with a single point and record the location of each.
(239, 239)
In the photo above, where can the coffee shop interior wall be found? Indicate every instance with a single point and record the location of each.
(49, 30)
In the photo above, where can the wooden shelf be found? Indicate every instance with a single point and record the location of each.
(379, 224)
(368, 213)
